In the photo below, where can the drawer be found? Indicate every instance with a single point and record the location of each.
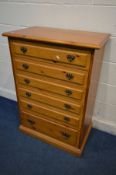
(72, 122)
(52, 85)
(59, 132)
(52, 70)
(50, 99)
(49, 111)
(74, 57)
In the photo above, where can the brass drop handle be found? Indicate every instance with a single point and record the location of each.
(28, 94)
(65, 135)
(67, 106)
(27, 81)
(31, 121)
(23, 49)
(29, 106)
(70, 58)
(68, 92)
(69, 76)
(25, 66)
(66, 119)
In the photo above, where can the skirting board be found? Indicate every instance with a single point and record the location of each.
(8, 94)
(106, 126)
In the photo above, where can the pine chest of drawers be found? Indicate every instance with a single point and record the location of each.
(56, 75)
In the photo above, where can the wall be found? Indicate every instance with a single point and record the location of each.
(92, 15)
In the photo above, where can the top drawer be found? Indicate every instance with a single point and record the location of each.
(80, 58)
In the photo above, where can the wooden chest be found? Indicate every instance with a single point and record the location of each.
(56, 74)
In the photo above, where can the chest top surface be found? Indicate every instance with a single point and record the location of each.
(61, 36)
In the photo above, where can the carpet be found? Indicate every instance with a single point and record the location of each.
(21, 154)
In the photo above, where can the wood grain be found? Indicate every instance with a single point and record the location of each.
(51, 70)
(92, 91)
(41, 58)
(62, 133)
(70, 122)
(55, 101)
(30, 105)
(54, 53)
(61, 36)
(51, 85)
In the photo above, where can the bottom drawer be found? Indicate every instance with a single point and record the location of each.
(59, 132)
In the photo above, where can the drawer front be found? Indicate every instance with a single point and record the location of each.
(59, 132)
(52, 70)
(51, 112)
(50, 100)
(72, 122)
(50, 85)
(80, 58)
